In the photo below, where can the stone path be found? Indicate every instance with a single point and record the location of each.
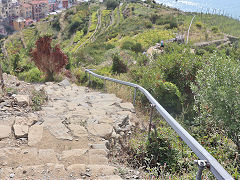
(67, 139)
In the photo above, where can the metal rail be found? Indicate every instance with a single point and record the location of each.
(216, 168)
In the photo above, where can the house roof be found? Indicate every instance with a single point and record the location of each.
(29, 20)
(20, 19)
(26, 5)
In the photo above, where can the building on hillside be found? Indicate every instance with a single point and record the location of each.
(21, 2)
(26, 11)
(65, 4)
(3, 31)
(19, 23)
(53, 5)
(5, 7)
(39, 9)
(79, 1)
(15, 8)
(10, 9)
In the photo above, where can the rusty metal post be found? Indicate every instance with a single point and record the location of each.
(150, 121)
(134, 96)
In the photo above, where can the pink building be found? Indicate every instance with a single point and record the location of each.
(65, 4)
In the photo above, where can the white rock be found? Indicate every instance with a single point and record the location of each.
(78, 130)
(35, 134)
(5, 131)
(127, 106)
(103, 130)
(65, 82)
(20, 130)
(23, 100)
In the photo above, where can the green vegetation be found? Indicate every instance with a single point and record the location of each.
(217, 93)
(38, 99)
(199, 86)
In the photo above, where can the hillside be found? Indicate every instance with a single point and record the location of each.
(197, 83)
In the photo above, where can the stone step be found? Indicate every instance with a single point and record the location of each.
(59, 171)
(13, 157)
(46, 171)
(84, 156)
(93, 171)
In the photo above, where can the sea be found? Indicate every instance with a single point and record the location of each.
(229, 8)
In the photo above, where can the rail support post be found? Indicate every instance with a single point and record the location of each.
(201, 165)
(90, 81)
(105, 88)
(134, 96)
(150, 121)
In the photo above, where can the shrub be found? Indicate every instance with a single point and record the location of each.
(136, 47)
(80, 75)
(38, 99)
(168, 95)
(33, 75)
(56, 24)
(161, 21)
(148, 25)
(153, 154)
(74, 26)
(127, 45)
(47, 59)
(217, 96)
(161, 152)
(200, 51)
(154, 18)
(210, 48)
(109, 46)
(97, 83)
(199, 25)
(15, 62)
(111, 4)
(173, 23)
(215, 29)
(118, 65)
(142, 60)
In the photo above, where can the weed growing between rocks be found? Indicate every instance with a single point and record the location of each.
(38, 99)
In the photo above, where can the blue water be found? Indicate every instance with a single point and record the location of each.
(229, 8)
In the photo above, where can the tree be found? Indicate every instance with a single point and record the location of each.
(217, 96)
(118, 65)
(111, 4)
(15, 62)
(47, 59)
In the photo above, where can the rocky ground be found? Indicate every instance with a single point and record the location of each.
(68, 138)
